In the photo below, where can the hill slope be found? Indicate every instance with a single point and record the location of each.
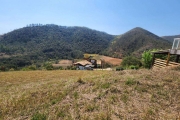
(171, 38)
(135, 41)
(43, 42)
(49, 39)
(39, 43)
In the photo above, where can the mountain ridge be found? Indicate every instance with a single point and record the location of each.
(38, 43)
(170, 38)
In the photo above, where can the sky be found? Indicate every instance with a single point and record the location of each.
(161, 17)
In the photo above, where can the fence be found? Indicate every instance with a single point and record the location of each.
(159, 63)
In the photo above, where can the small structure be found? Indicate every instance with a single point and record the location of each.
(84, 65)
(175, 51)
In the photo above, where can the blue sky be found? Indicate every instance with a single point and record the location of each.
(161, 17)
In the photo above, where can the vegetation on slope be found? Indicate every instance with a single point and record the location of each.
(134, 94)
(171, 38)
(135, 42)
(38, 43)
(49, 39)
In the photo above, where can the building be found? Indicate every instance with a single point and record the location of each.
(84, 65)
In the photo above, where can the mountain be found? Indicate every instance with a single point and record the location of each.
(171, 38)
(53, 38)
(36, 44)
(135, 41)
(43, 42)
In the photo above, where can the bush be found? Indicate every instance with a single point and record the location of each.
(28, 68)
(119, 68)
(133, 67)
(32, 67)
(24, 69)
(147, 58)
(48, 66)
(128, 61)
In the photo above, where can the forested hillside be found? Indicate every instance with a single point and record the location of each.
(54, 38)
(36, 44)
(135, 41)
(43, 42)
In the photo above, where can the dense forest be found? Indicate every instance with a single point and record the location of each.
(36, 44)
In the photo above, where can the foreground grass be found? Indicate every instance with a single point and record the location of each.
(96, 95)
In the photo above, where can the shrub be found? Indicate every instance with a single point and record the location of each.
(133, 67)
(48, 66)
(32, 67)
(24, 69)
(147, 58)
(128, 61)
(119, 68)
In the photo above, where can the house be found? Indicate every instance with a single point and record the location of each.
(174, 51)
(84, 65)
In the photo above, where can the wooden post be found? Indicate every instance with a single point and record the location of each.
(167, 62)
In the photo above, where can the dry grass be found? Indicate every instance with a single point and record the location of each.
(107, 59)
(96, 95)
(113, 61)
(63, 63)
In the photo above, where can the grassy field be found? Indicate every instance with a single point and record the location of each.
(93, 95)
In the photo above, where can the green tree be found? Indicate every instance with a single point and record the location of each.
(130, 60)
(147, 58)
